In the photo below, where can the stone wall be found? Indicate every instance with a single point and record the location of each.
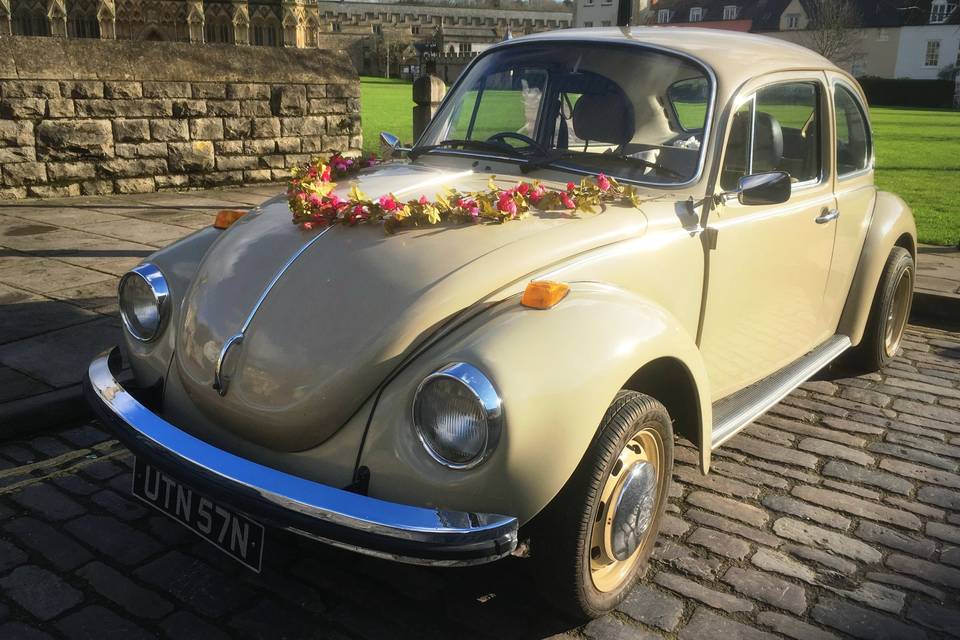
(80, 117)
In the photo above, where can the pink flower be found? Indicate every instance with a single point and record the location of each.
(325, 176)
(359, 213)
(523, 188)
(388, 203)
(334, 200)
(312, 171)
(469, 205)
(423, 200)
(315, 200)
(537, 193)
(571, 186)
(506, 204)
(603, 182)
(567, 201)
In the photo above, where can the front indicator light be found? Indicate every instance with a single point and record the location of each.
(543, 294)
(227, 217)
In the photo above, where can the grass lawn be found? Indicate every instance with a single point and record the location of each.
(918, 152)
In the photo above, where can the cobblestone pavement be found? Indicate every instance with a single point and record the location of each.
(837, 513)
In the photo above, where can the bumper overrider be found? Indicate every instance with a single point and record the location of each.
(342, 518)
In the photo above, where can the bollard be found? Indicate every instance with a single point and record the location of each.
(428, 91)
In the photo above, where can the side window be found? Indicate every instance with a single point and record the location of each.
(778, 130)
(853, 139)
(689, 98)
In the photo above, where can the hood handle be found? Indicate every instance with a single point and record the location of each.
(220, 382)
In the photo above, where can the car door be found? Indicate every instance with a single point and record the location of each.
(768, 271)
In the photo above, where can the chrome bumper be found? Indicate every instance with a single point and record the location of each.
(342, 518)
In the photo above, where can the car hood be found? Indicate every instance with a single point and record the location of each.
(324, 326)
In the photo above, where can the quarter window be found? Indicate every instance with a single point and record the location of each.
(778, 129)
(853, 137)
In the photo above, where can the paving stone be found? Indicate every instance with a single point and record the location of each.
(10, 556)
(914, 455)
(794, 507)
(865, 396)
(39, 591)
(951, 556)
(673, 526)
(925, 474)
(779, 563)
(863, 623)
(854, 489)
(805, 429)
(948, 419)
(775, 436)
(829, 560)
(119, 506)
(834, 450)
(793, 628)
(690, 589)
(925, 570)
(683, 558)
(767, 588)
(47, 502)
(653, 608)
(59, 550)
(924, 444)
(904, 582)
(943, 532)
(193, 582)
(719, 543)
(102, 470)
(729, 526)
(85, 436)
(609, 628)
(828, 540)
(720, 484)
(875, 595)
(872, 477)
(775, 453)
(729, 508)
(786, 472)
(857, 423)
(893, 539)
(75, 485)
(183, 625)
(119, 589)
(20, 631)
(113, 538)
(742, 472)
(97, 623)
(706, 625)
(858, 507)
(940, 497)
(935, 616)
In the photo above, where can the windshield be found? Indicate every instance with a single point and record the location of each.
(624, 110)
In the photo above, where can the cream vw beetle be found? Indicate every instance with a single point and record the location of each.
(400, 395)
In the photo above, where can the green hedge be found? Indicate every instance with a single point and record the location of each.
(891, 92)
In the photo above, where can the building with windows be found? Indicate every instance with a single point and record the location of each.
(603, 13)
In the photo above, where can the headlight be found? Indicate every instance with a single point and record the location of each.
(458, 416)
(144, 300)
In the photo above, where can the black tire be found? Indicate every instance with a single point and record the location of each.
(561, 546)
(873, 352)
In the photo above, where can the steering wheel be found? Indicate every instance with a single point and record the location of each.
(503, 135)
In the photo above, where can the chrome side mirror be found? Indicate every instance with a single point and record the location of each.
(390, 146)
(772, 187)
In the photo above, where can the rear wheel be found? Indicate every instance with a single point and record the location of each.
(889, 313)
(595, 538)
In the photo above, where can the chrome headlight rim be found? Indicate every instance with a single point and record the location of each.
(151, 276)
(478, 384)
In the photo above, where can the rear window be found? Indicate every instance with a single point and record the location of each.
(689, 99)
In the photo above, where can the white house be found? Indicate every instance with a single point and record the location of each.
(925, 50)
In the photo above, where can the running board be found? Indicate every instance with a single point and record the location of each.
(743, 407)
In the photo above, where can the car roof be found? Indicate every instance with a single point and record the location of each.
(734, 57)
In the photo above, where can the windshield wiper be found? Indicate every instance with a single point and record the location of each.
(544, 161)
(466, 144)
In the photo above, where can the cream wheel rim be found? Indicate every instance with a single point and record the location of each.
(897, 316)
(638, 462)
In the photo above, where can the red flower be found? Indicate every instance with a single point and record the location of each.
(567, 201)
(506, 203)
(359, 213)
(315, 200)
(523, 188)
(423, 200)
(388, 203)
(536, 195)
(325, 176)
(571, 186)
(470, 206)
(603, 182)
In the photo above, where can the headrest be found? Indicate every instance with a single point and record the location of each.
(606, 117)
(767, 144)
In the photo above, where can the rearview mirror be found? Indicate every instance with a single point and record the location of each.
(772, 187)
(390, 146)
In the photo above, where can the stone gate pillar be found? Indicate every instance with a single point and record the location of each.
(428, 91)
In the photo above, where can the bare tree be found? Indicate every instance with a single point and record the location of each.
(833, 30)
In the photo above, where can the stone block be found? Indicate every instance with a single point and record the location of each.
(314, 144)
(24, 173)
(122, 89)
(23, 108)
(166, 89)
(316, 91)
(206, 129)
(343, 124)
(191, 157)
(175, 181)
(257, 175)
(266, 127)
(232, 163)
(96, 187)
(131, 130)
(216, 178)
(308, 126)
(248, 91)
(255, 108)
(30, 89)
(68, 139)
(275, 161)
(323, 106)
(13, 193)
(65, 171)
(143, 108)
(223, 108)
(288, 100)
(345, 90)
(151, 150)
(54, 191)
(215, 90)
(169, 130)
(135, 185)
(288, 145)
(60, 108)
(236, 128)
(17, 154)
(259, 147)
(189, 108)
(81, 89)
(228, 147)
(129, 168)
(339, 143)
(16, 134)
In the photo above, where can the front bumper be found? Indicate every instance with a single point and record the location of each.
(342, 518)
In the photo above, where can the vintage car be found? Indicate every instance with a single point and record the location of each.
(708, 237)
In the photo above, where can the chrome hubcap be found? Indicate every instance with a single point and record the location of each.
(633, 509)
(898, 313)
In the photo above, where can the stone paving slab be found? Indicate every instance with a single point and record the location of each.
(835, 515)
(938, 270)
(60, 262)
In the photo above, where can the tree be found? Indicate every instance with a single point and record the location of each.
(832, 30)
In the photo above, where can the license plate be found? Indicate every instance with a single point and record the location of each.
(233, 533)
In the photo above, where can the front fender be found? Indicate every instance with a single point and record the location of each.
(892, 220)
(556, 371)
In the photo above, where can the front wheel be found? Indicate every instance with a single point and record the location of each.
(594, 540)
(889, 313)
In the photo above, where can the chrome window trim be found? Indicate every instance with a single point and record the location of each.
(520, 42)
(483, 390)
(153, 278)
(871, 162)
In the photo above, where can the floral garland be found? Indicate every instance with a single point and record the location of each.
(314, 204)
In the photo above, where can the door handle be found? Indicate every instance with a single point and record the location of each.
(826, 215)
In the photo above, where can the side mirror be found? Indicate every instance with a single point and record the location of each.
(390, 146)
(772, 187)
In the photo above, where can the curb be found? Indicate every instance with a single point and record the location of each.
(28, 416)
(942, 312)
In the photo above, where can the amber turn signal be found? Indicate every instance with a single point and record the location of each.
(543, 294)
(227, 217)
